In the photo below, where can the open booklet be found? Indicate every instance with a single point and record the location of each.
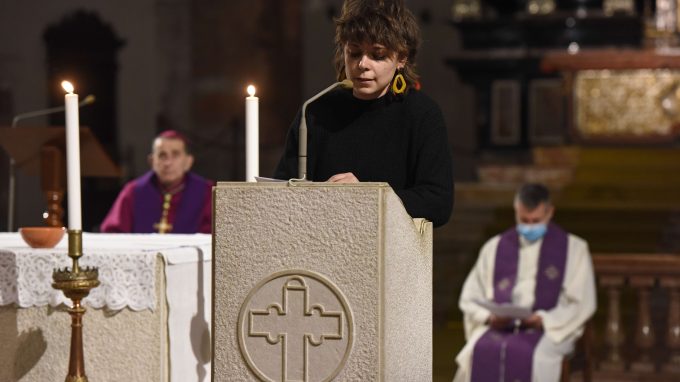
(504, 310)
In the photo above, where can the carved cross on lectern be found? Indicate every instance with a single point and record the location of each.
(295, 325)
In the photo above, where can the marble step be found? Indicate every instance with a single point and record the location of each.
(612, 157)
(641, 178)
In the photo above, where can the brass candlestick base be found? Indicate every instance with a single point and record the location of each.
(76, 284)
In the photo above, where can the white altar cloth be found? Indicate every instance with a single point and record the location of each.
(127, 272)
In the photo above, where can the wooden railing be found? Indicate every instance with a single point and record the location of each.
(647, 349)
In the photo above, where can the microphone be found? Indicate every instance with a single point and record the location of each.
(89, 99)
(86, 101)
(302, 142)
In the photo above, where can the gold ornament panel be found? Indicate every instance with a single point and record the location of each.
(629, 104)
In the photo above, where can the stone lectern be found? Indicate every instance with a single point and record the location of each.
(320, 282)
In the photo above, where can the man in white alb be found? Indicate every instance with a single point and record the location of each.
(538, 266)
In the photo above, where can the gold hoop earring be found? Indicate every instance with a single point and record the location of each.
(399, 84)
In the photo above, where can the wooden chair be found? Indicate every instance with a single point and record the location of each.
(582, 349)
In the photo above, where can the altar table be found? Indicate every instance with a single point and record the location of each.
(149, 320)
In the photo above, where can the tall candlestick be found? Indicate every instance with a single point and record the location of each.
(252, 135)
(72, 157)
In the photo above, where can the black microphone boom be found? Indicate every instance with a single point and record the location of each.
(302, 139)
(37, 113)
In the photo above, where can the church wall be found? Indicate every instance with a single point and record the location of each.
(146, 69)
(440, 41)
(185, 64)
(235, 44)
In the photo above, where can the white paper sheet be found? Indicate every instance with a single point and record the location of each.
(265, 179)
(505, 310)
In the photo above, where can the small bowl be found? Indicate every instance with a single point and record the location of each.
(42, 237)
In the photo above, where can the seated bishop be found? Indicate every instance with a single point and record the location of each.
(167, 199)
(537, 266)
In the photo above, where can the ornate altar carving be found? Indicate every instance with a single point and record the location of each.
(621, 95)
(627, 104)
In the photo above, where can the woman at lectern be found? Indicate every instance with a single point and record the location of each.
(383, 128)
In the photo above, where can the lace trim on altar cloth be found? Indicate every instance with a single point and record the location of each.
(127, 279)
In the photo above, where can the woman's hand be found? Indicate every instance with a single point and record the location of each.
(346, 177)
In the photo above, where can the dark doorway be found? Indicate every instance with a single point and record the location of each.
(82, 49)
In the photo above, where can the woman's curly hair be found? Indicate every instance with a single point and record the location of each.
(384, 22)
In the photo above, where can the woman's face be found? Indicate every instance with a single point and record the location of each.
(371, 68)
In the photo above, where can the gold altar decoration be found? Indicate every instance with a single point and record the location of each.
(639, 104)
(76, 284)
(466, 9)
(540, 7)
(612, 7)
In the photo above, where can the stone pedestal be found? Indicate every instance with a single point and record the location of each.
(317, 282)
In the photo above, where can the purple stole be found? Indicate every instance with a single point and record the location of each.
(148, 200)
(508, 355)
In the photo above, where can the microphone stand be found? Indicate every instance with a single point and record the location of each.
(12, 163)
(302, 139)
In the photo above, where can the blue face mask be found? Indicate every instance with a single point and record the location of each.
(532, 232)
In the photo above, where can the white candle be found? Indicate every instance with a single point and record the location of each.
(72, 157)
(252, 135)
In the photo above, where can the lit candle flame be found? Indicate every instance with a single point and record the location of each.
(67, 86)
(251, 90)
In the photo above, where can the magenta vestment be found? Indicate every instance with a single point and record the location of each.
(145, 190)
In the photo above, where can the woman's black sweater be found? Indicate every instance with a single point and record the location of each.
(399, 140)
